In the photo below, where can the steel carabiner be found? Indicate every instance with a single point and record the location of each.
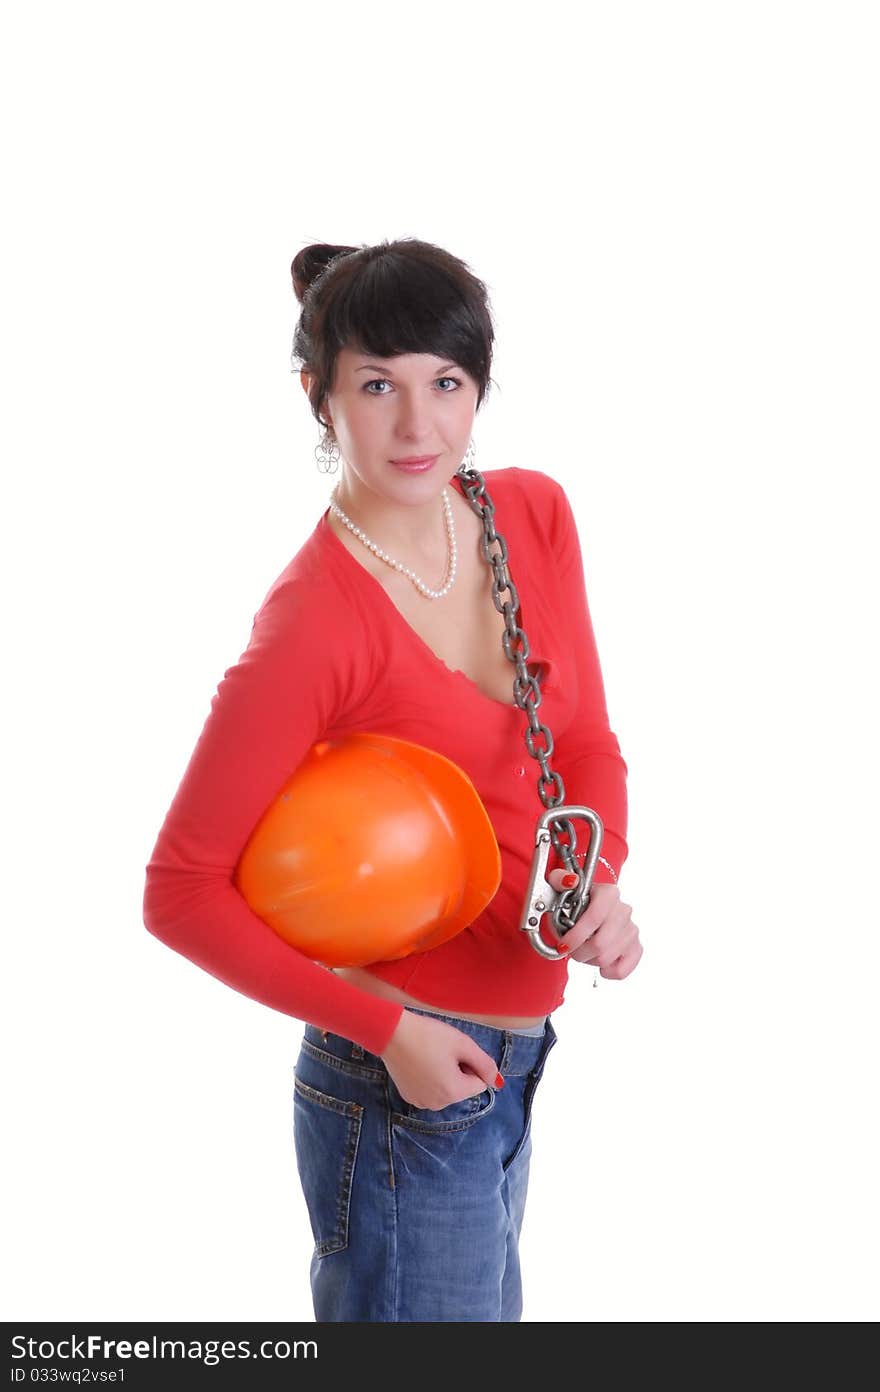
(541, 897)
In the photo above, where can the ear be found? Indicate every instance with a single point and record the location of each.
(306, 378)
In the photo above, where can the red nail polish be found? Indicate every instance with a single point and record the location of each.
(499, 1081)
(569, 880)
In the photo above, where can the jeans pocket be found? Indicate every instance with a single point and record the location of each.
(326, 1133)
(457, 1116)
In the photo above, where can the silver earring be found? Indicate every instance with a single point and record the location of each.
(327, 454)
(468, 461)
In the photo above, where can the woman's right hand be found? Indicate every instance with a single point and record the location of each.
(433, 1064)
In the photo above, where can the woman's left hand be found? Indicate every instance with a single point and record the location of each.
(604, 935)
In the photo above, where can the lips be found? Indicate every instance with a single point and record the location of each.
(416, 459)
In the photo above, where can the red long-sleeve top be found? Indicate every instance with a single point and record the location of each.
(330, 654)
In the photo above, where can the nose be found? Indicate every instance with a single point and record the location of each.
(414, 418)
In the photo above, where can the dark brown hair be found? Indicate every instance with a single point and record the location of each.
(405, 296)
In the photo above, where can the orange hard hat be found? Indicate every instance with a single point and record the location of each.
(374, 848)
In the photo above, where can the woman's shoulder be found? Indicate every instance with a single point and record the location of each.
(535, 497)
(310, 593)
(532, 484)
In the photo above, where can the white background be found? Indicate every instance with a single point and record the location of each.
(675, 208)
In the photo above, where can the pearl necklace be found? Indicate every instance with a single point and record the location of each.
(452, 552)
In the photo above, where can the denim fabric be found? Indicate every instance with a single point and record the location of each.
(416, 1214)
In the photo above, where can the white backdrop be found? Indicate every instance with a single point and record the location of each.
(676, 211)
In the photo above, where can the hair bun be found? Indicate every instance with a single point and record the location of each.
(311, 262)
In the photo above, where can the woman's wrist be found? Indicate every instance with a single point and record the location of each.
(610, 868)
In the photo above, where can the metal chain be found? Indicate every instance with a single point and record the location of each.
(527, 695)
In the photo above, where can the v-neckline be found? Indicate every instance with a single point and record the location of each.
(339, 546)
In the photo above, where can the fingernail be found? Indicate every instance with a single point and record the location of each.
(499, 1081)
(569, 880)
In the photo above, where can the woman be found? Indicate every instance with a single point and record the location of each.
(415, 1078)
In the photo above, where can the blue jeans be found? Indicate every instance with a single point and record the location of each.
(416, 1214)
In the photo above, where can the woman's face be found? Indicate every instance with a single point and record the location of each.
(395, 408)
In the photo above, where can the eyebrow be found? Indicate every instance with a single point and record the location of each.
(380, 367)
